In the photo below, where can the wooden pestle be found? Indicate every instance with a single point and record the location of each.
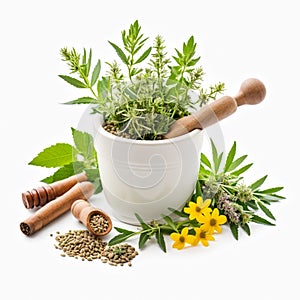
(41, 195)
(252, 91)
(57, 207)
(83, 211)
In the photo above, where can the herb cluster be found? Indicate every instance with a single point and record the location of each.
(221, 190)
(142, 101)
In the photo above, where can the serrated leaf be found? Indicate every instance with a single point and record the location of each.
(234, 230)
(73, 81)
(144, 237)
(54, 156)
(266, 210)
(68, 170)
(83, 100)
(144, 56)
(84, 143)
(120, 53)
(230, 157)
(96, 73)
(246, 228)
(260, 220)
(241, 170)
(48, 179)
(160, 240)
(254, 186)
(236, 163)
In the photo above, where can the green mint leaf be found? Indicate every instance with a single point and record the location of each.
(73, 81)
(120, 53)
(234, 230)
(54, 156)
(84, 143)
(254, 186)
(230, 157)
(68, 170)
(83, 100)
(96, 73)
(144, 56)
(48, 179)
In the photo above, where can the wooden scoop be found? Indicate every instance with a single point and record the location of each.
(252, 91)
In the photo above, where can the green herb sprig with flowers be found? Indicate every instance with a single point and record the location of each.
(220, 197)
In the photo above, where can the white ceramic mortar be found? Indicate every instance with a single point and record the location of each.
(147, 177)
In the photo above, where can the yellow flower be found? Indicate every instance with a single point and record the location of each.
(198, 209)
(180, 239)
(212, 222)
(203, 236)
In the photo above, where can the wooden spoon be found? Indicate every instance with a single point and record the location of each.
(252, 91)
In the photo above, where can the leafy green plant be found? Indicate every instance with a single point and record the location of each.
(144, 102)
(71, 159)
(226, 192)
(241, 203)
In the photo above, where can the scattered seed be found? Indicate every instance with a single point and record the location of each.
(83, 244)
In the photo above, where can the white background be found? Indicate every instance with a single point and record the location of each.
(237, 40)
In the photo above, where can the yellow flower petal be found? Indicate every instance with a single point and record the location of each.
(215, 213)
(222, 219)
(175, 236)
(178, 245)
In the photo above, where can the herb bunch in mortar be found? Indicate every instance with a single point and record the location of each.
(141, 102)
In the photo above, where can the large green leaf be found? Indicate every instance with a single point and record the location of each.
(54, 156)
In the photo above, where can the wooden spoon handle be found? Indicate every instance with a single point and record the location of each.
(252, 91)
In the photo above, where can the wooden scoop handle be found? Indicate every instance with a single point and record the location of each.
(252, 91)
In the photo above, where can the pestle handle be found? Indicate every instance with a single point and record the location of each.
(252, 91)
